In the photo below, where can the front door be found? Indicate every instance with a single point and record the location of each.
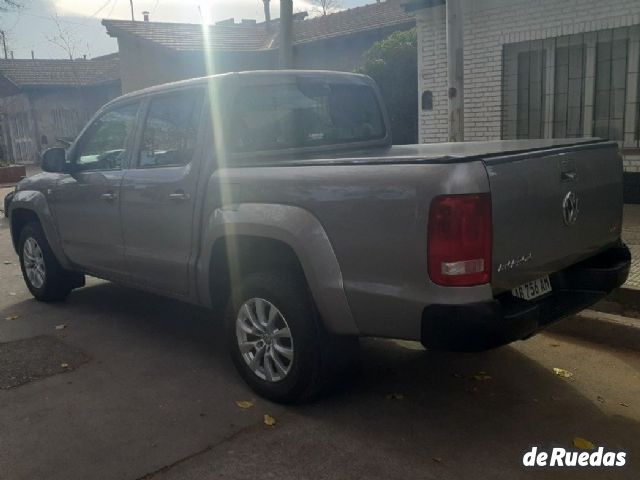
(87, 201)
(159, 193)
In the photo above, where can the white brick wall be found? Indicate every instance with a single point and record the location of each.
(432, 74)
(488, 25)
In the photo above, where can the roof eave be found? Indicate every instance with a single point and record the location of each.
(410, 22)
(413, 5)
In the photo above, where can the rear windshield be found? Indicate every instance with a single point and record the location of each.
(305, 114)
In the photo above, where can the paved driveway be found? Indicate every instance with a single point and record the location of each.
(137, 386)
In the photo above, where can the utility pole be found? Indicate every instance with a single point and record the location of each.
(455, 70)
(286, 34)
(267, 14)
(132, 17)
(4, 44)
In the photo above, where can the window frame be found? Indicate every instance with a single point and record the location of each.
(259, 157)
(129, 143)
(143, 114)
(622, 124)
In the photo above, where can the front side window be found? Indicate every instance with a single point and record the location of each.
(305, 114)
(104, 146)
(171, 130)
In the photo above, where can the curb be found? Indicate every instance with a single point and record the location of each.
(608, 329)
(610, 318)
(629, 297)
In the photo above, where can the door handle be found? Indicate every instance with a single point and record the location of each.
(109, 197)
(179, 196)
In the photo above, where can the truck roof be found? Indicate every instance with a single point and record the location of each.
(252, 74)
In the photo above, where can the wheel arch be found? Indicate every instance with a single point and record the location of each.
(270, 236)
(27, 206)
(20, 217)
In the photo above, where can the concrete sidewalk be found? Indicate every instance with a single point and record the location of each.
(631, 236)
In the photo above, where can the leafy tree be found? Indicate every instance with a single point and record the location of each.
(393, 64)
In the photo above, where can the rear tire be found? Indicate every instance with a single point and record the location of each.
(286, 356)
(45, 278)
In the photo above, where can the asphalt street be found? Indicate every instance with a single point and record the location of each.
(119, 384)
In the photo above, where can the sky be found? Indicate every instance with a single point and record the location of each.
(52, 28)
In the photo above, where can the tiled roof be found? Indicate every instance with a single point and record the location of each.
(354, 20)
(31, 73)
(189, 36)
(254, 37)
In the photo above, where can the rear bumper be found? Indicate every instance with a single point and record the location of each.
(479, 326)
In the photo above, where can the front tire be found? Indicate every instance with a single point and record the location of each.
(277, 341)
(45, 278)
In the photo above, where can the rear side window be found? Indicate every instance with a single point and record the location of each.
(171, 130)
(305, 114)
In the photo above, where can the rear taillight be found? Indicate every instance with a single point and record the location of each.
(459, 242)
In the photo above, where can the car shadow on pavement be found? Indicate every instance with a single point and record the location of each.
(409, 414)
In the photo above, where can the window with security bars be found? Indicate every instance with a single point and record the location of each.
(573, 86)
(523, 91)
(611, 84)
(569, 79)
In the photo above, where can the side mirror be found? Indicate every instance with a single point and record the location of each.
(53, 160)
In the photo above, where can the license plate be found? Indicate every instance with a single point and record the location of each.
(533, 289)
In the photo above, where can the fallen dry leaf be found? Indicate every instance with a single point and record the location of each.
(480, 376)
(554, 344)
(244, 403)
(456, 375)
(437, 459)
(13, 294)
(12, 317)
(561, 372)
(61, 327)
(395, 396)
(64, 365)
(269, 420)
(622, 404)
(600, 399)
(583, 444)
(7, 262)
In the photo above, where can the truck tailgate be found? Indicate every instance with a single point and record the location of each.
(551, 208)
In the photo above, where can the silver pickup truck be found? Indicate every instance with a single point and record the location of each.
(277, 199)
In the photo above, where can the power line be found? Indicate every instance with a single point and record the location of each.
(153, 10)
(104, 5)
(61, 19)
(112, 8)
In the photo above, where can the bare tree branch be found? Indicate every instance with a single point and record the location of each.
(64, 38)
(325, 7)
(6, 5)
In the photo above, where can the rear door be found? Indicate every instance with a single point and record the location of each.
(552, 208)
(158, 193)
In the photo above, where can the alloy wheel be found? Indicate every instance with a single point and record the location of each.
(264, 339)
(33, 259)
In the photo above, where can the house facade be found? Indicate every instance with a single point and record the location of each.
(536, 69)
(152, 53)
(45, 101)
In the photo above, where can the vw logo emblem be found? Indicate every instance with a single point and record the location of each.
(570, 208)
